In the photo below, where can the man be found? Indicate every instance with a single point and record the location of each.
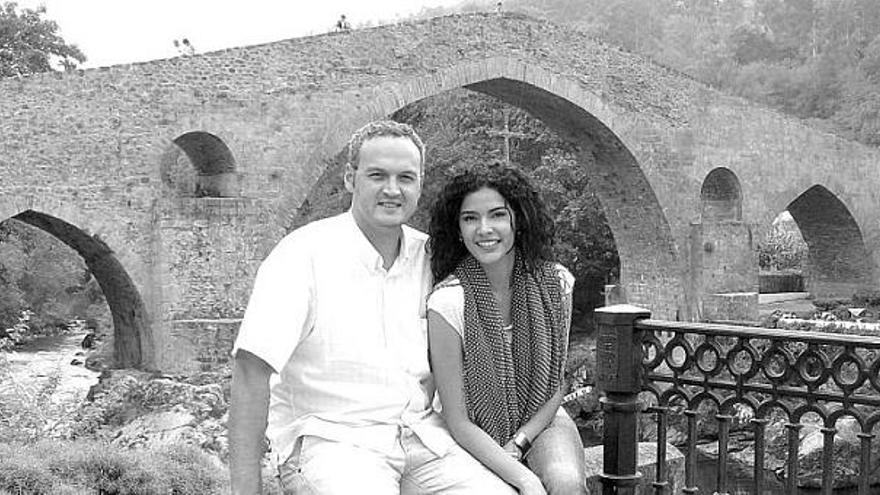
(337, 321)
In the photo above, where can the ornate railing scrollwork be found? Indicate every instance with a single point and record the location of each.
(757, 377)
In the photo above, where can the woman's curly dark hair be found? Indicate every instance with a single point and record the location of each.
(535, 229)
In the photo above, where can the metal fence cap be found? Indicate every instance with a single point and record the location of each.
(622, 309)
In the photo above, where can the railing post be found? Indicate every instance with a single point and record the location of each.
(619, 376)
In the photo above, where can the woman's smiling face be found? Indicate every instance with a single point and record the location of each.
(487, 225)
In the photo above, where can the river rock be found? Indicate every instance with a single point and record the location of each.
(847, 447)
(160, 428)
(134, 409)
(741, 452)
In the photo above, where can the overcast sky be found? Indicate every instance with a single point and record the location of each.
(120, 31)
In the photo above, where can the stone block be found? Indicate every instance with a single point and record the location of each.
(198, 345)
(775, 282)
(731, 306)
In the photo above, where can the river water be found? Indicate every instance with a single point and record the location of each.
(39, 376)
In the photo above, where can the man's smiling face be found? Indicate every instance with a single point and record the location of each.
(386, 184)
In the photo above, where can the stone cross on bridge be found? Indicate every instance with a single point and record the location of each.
(174, 178)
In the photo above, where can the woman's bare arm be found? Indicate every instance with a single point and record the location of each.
(446, 361)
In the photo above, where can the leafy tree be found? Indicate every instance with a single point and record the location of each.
(782, 248)
(697, 46)
(870, 62)
(41, 274)
(29, 43)
(849, 25)
(11, 297)
(751, 43)
(636, 25)
(855, 106)
(792, 24)
(859, 111)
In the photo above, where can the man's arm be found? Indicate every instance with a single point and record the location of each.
(248, 413)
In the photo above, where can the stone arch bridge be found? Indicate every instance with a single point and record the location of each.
(174, 178)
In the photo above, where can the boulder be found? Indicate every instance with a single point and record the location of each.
(153, 430)
(133, 409)
(847, 447)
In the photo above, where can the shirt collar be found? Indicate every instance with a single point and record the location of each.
(368, 254)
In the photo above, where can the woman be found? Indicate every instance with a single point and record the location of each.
(498, 330)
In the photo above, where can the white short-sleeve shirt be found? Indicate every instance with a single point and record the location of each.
(346, 337)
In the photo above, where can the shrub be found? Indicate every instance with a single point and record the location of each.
(189, 470)
(23, 472)
(97, 467)
(782, 249)
(831, 304)
(867, 297)
(15, 334)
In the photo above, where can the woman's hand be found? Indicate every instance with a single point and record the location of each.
(513, 451)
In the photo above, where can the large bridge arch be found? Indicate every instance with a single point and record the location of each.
(649, 261)
(838, 261)
(841, 232)
(132, 336)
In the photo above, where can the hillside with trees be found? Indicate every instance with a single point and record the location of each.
(818, 60)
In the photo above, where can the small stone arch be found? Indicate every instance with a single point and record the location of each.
(200, 165)
(838, 262)
(132, 335)
(721, 196)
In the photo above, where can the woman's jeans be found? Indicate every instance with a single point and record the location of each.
(557, 457)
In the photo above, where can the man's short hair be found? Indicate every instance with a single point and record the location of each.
(383, 128)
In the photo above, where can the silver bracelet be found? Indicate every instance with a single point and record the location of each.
(522, 442)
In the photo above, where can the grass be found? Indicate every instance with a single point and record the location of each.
(92, 467)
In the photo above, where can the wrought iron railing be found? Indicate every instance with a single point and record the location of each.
(768, 373)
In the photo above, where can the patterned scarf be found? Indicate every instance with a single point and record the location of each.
(504, 390)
